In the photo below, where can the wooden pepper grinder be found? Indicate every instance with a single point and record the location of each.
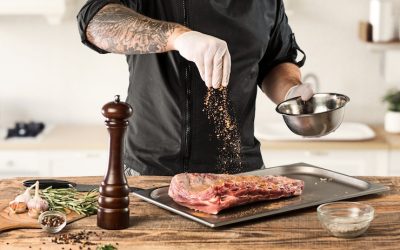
(113, 211)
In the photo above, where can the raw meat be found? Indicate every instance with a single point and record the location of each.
(211, 193)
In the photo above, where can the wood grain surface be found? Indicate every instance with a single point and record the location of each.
(10, 220)
(154, 228)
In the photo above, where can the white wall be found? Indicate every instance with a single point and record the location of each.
(47, 74)
(328, 32)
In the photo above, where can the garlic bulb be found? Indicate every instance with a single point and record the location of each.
(37, 205)
(19, 204)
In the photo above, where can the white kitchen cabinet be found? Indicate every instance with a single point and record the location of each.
(78, 163)
(23, 163)
(15, 163)
(394, 162)
(65, 150)
(351, 162)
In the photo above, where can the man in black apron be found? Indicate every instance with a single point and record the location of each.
(175, 50)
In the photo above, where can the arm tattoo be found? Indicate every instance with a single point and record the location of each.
(118, 29)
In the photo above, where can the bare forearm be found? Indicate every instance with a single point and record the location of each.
(279, 80)
(118, 29)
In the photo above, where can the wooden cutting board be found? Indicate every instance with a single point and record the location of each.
(10, 220)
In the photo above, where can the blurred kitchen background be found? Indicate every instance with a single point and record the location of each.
(47, 76)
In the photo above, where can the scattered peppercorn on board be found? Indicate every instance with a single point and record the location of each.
(10, 220)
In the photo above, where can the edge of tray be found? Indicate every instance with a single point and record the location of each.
(373, 188)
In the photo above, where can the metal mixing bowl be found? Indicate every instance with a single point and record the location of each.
(319, 116)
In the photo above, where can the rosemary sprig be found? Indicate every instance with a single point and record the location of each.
(106, 247)
(64, 199)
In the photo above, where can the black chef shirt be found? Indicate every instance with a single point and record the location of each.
(169, 133)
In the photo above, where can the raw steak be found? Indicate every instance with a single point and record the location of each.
(211, 193)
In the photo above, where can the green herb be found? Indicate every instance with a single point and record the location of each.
(106, 247)
(64, 199)
(392, 97)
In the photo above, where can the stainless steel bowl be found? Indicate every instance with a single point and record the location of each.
(319, 116)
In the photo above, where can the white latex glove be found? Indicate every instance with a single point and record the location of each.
(304, 90)
(210, 54)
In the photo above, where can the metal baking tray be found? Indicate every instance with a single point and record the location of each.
(320, 186)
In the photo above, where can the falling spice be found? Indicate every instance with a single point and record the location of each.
(325, 179)
(220, 114)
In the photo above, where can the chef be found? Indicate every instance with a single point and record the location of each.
(176, 50)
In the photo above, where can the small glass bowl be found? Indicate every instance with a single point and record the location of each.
(345, 219)
(49, 228)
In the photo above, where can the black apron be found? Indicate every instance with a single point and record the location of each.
(169, 133)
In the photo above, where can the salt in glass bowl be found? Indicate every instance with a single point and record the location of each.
(345, 219)
(49, 228)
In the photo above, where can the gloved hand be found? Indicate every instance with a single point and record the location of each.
(303, 90)
(210, 54)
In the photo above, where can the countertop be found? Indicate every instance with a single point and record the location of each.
(154, 228)
(92, 137)
(63, 137)
(383, 140)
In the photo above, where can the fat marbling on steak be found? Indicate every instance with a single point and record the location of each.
(211, 193)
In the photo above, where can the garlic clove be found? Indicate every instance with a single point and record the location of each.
(18, 207)
(34, 213)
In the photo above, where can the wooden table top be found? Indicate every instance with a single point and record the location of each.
(154, 228)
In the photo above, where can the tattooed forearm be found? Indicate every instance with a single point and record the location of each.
(118, 29)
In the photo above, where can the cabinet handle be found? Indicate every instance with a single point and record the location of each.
(10, 164)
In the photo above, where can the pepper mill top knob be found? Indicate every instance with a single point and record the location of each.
(117, 109)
